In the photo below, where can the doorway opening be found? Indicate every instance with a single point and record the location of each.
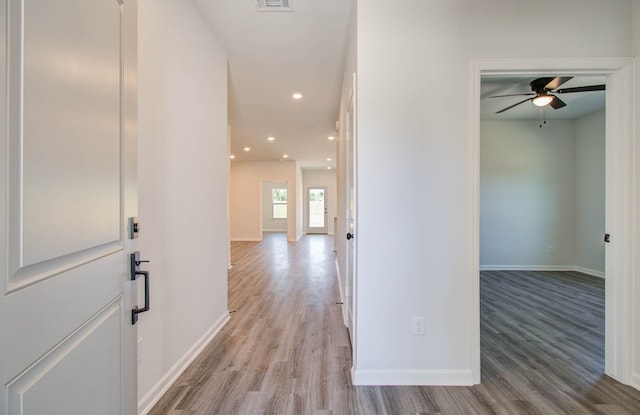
(316, 209)
(542, 219)
(618, 185)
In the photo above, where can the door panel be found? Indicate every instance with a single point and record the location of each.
(71, 117)
(316, 209)
(39, 388)
(61, 114)
(68, 345)
(351, 230)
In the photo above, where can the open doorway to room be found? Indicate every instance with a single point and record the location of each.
(274, 207)
(613, 357)
(320, 200)
(542, 221)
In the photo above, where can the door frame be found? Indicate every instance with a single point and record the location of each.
(620, 185)
(351, 266)
(307, 213)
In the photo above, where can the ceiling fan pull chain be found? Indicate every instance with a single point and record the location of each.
(543, 117)
(540, 117)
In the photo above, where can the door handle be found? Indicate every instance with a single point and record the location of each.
(350, 236)
(135, 272)
(137, 310)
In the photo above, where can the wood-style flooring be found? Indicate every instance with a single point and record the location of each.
(286, 350)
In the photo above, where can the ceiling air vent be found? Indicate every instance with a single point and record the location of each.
(274, 6)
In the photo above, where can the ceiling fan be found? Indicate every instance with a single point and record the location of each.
(544, 90)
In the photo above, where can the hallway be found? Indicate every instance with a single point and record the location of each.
(286, 351)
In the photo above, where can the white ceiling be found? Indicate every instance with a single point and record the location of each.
(272, 55)
(578, 104)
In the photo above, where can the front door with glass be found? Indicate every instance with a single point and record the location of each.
(316, 210)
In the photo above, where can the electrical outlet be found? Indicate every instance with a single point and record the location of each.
(550, 249)
(418, 326)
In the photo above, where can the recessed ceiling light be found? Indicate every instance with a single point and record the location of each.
(331, 138)
(247, 149)
(328, 168)
(329, 159)
(285, 156)
(232, 157)
(271, 138)
(297, 95)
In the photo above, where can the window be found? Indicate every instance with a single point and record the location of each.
(279, 203)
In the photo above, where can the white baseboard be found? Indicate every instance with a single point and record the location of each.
(527, 268)
(339, 275)
(576, 268)
(635, 380)
(341, 291)
(589, 271)
(246, 239)
(412, 377)
(155, 393)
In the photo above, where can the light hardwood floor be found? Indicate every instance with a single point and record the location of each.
(286, 351)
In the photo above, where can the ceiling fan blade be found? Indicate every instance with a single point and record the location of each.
(587, 88)
(539, 84)
(512, 95)
(557, 103)
(557, 82)
(514, 105)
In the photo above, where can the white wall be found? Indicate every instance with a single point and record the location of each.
(407, 53)
(527, 194)
(327, 179)
(542, 199)
(590, 192)
(182, 188)
(636, 298)
(244, 197)
(268, 223)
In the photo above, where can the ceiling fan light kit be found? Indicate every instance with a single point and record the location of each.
(542, 100)
(544, 90)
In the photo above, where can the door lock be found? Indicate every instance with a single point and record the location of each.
(134, 227)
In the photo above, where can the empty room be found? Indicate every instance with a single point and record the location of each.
(542, 228)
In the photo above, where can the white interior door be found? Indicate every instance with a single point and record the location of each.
(68, 116)
(351, 215)
(317, 209)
